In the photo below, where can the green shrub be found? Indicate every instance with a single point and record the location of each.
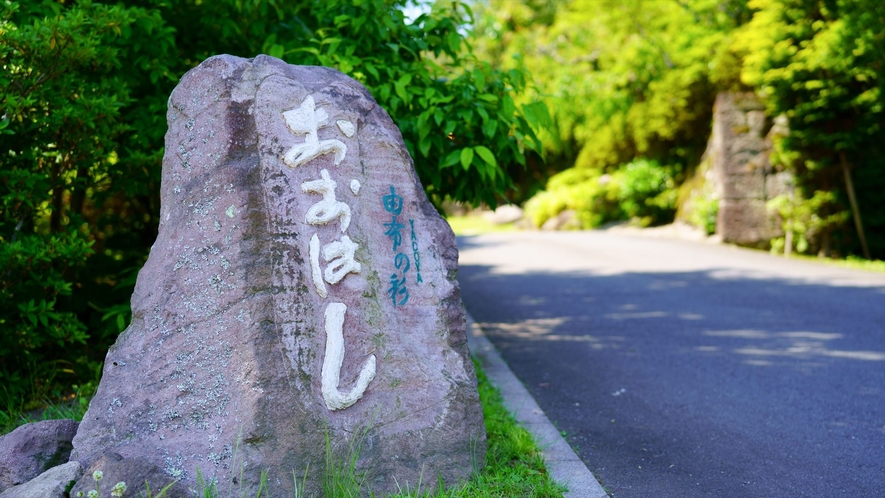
(646, 192)
(641, 191)
(564, 191)
(803, 222)
(821, 64)
(61, 98)
(581, 190)
(704, 212)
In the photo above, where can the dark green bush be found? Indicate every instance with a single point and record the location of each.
(63, 95)
(83, 91)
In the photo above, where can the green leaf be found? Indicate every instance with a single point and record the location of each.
(371, 70)
(423, 126)
(537, 115)
(489, 128)
(453, 40)
(508, 106)
(400, 87)
(451, 159)
(401, 93)
(277, 51)
(466, 157)
(479, 78)
(384, 91)
(486, 155)
(424, 146)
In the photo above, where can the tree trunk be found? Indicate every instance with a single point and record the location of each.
(854, 209)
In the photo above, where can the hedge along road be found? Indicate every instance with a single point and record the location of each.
(684, 369)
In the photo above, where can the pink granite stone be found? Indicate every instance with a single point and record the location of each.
(221, 370)
(33, 448)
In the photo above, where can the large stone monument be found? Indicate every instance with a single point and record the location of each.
(301, 292)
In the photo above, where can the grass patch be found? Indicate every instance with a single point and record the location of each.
(514, 467)
(476, 224)
(853, 262)
(74, 407)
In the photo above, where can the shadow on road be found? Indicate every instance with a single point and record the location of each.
(706, 383)
(758, 322)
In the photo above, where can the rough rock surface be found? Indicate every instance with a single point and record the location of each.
(745, 179)
(139, 474)
(231, 362)
(566, 220)
(49, 484)
(32, 448)
(504, 214)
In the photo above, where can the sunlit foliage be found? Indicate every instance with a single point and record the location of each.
(821, 63)
(627, 79)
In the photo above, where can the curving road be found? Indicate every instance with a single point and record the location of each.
(680, 369)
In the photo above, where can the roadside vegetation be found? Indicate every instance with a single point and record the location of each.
(475, 223)
(633, 83)
(852, 262)
(83, 91)
(514, 465)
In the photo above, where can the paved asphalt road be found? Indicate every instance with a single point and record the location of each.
(682, 369)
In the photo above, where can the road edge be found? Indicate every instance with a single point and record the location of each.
(562, 463)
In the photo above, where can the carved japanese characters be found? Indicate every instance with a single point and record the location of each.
(301, 288)
(308, 120)
(339, 254)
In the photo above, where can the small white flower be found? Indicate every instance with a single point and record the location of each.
(92, 494)
(118, 489)
(97, 475)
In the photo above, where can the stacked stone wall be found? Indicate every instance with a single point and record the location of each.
(737, 170)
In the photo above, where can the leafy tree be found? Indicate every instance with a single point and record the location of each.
(84, 91)
(630, 85)
(457, 115)
(822, 64)
(630, 79)
(623, 79)
(63, 99)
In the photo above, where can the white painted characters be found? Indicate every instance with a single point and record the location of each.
(341, 258)
(329, 208)
(307, 120)
(335, 399)
(339, 255)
